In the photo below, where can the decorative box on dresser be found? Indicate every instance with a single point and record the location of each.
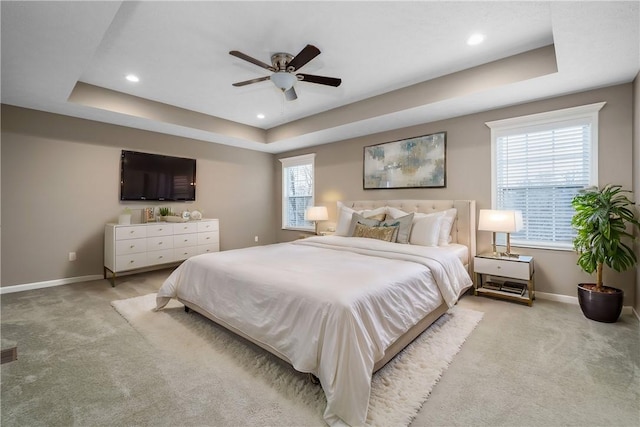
(135, 246)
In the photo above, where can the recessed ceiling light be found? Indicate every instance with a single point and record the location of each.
(132, 78)
(260, 116)
(475, 39)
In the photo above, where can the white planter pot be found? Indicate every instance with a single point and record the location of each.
(124, 219)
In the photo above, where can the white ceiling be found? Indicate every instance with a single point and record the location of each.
(180, 52)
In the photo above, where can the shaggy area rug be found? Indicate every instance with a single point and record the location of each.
(245, 385)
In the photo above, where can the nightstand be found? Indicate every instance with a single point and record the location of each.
(510, 278)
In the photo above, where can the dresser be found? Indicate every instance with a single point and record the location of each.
(135, 246)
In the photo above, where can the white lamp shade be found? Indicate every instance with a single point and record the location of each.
(316, 213)
(500, 221)
(283, 80)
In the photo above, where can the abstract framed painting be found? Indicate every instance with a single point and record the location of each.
(416, 162)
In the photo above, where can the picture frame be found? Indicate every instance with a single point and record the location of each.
(149, 215)
(417, 162)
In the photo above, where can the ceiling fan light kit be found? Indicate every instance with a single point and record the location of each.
(283, 80)
(283, 66)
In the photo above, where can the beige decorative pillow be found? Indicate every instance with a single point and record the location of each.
(380, 233)
(359, 219)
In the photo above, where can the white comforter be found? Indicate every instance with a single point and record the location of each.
(330, 305)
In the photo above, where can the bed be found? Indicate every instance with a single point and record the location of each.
(339, 307)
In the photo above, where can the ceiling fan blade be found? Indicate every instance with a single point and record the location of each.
(254, 61)
(290, 95)
(248, 82)
(306, 54)
(329, 81)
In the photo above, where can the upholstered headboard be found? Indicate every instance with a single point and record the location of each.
(464, 228)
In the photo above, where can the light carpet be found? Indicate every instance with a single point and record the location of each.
(250, 386)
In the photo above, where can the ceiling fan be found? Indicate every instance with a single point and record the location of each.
(283, 66)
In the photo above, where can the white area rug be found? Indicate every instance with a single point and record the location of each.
(209, 366)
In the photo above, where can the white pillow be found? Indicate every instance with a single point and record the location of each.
(344, 220)
(395, 212)
(426, 229)
(344, 217)
(446, 225)
(377, 212)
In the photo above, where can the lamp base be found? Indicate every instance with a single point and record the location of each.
(509, 255)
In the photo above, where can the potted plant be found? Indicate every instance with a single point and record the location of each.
(601, 220)
(164, 213)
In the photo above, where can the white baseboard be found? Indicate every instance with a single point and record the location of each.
(627, 309)
(557, 297)
(48, 284)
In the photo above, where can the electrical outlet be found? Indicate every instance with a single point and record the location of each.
(72, 256)
(255, 239)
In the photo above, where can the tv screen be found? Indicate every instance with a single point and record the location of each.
(146, 176)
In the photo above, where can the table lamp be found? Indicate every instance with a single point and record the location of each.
(498, 221)
(315, 214)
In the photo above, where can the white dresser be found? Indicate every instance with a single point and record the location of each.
(130, 247)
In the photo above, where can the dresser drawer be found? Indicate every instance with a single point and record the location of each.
(208, 238)
(131, 261)
(159, 243)
(185, 240)
(186, 228)
(160, 229)
(206, 226)
(133, 232)
(205, 249)
(160, 257)
(131, 246)
(504, 268)
(180, 254)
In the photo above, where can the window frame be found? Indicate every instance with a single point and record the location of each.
(545, 121)
(287, 162)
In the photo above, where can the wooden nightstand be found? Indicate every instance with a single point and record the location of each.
(509, 278)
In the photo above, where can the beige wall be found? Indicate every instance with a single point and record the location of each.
(468, 158)
(60, 185)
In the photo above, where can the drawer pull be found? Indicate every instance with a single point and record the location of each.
(131, 262)
(132, 246)
(160, 257)
(186, 240)
(208, 238)
(132, 231)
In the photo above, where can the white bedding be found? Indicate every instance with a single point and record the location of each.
(330, 305)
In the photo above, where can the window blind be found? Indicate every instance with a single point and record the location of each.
(539, 173)
(297, 191)
(539, 166)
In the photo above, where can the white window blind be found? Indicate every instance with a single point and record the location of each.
(297, 191)
(539, 164)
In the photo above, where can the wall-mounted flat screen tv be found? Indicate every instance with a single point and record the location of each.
(145, 176)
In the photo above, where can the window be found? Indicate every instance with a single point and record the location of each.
(297, 191)
(539, 163)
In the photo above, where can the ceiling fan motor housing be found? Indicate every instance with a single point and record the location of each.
(280, 61)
